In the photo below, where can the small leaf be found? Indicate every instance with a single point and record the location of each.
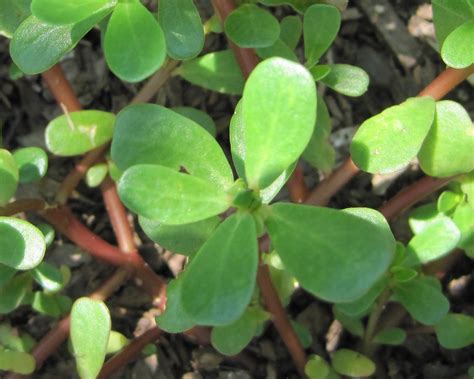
(352, 324)
(467, 187)
(316, 368)
(151, 134)
(117, 341)
(9, 176)
(6, 273)
(290, 30)
(448, 200)
(423, 301)
(160, 193)
(424, 216)
(457, 48)
(447, 149)
(320, 71)
(455, 331)
(390, 336)
(10, 339)
(465, 222)
(321, 24)
(183, 28)
(13, 292)
(250, 26)
(12, 15)
(51, 305)
(32, 163)
(90, 330)
(96, 174)
(48, 277)
(183, 239)
(199, 117)
(220, 279)
(76, 133)
(68, 11)
(17, 361)
(388, 141)
(339, 249)
(282, 96)
(346, 79)
(217, 71)
(352, 364)
(22, 245)
(403, 274)
(145, 51)
(278, 49)
(48, 233)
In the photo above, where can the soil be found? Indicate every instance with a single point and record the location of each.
(26, 106)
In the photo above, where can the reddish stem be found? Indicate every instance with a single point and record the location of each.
(297, 186)
(22, 205)
(61, 88)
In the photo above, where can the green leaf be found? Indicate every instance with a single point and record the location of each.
(447, 149)
(48, 277)
(448, 200)
(316, 368)
(403, 274)
(448, 15)
(423, 301)
(9, 176)
(455, 331)
(48, 233)
(424, 216)
(346, 79)
(37, 46)
(90, 329)
(22, 245)
(32, 163)
(16, 361)
(338, 249)
(175, 319)
(390, 336)
(321, 24)
(467, 187)
(352, 324)
(96, 174)
(278, 49)
(278, 105)
(250, 26)
(51, 304)
(217, 71)
(302, 333)
(68, 11)
(320, 71)
(291, 28)
(183, 239)
(76, 133)
(319, 152)
(351, 363)
(145, 50)
(199, 117)
(6, 273)
(183, 28)
(457, 49)
(151, 134)
(10, 339)
(465, 222)
(12, 15)
(13, 292)
(388, 141)
(160, 193)
(220, 279)
(117, 341)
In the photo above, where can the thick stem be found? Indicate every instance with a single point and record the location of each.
(23, 205)
(297, 187)
(61, 88)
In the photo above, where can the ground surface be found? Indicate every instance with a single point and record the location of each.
(397, 71)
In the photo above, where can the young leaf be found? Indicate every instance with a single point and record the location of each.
(346, 79)
(12, 14)
(6, 273)
(434, 242)
(22, 245)
(424, 216)
(16, 361)
(48, 277)
(351, 363)
(457, 50)
(76, 133)
(13, 292)
(174, 198)
(96, 174)
(117, 341)
(250, 26)
(183, 239)
(448, 200)
(448, 15)
(145, 51)
(217, 71)
(339, 249)
(220, 279)
(10, 339)
(321, 24)
(423, 301)
(9, 176)
(278, 105)
(403, 274)
(278, 49)
(317, 368)
(32, 163)
(151, 134)
(353, 325)
(390, 336)
(90, 329)
(320, 71)
(465, 222)
(290, 30)
(183, 28)
(447, 149)
(51, 305)
(455, 331)
(390, 140)
(199, 117)
(37, 46)
(48, 233)
(68, 11)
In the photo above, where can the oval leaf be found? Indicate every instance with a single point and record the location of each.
(388, 141)
(251, 26)
(346, 79)
(13, 292)
(199, 117)
(12, 15)
(290, 30)
(16, 361)
(338, 249)
(32, 163)
(145, 50)
(278, 106)
(22, 245)
(390, 336)
(76, 133)
(9, 176)
(48, 277)
(448, 147)
(90, 330)
(220, 279)
(96, 174)
(160, 193)
(183, 28)
(448, 15)
(455, 331)
(457, 50)
(351, 363)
